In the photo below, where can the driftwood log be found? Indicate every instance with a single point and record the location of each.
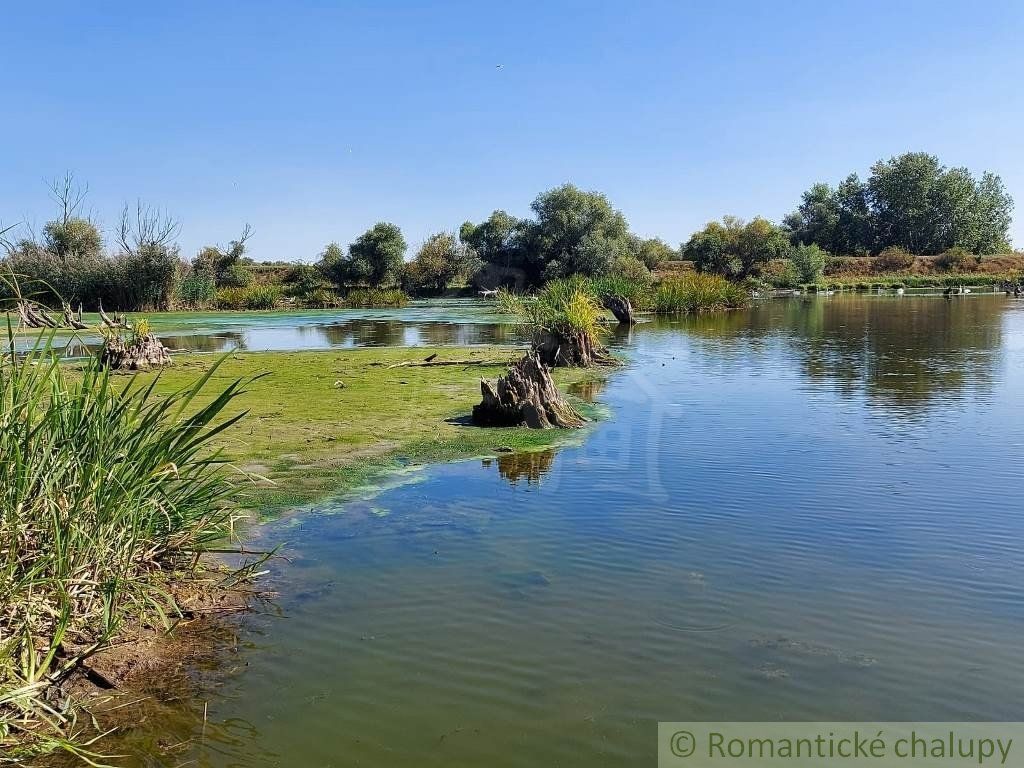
(526, 395)
(71, 321)
(621, 308)
(139, 354)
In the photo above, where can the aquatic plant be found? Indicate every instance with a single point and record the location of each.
(376, 297)
(698, 292)
(108, 495)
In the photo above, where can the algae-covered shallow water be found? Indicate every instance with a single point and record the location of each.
(809, 510)
(436, 322)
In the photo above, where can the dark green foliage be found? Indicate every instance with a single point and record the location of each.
(808, 262)
(573, 232)
(333, 265)
(376, 257)
(734, 248)
(910, 201)
(500, 240)
(225, 265)
(440, 261)
(73, 238)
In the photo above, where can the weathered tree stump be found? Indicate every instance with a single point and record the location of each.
(526, 395)
(621, 308)
(573, 350)
(139, 354)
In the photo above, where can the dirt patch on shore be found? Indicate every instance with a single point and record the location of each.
(145, 693)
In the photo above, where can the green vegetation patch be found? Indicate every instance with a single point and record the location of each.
(326, 422)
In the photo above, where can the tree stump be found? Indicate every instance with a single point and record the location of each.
(621, 308)
(526, 395)
(573, 350)
(140, 354)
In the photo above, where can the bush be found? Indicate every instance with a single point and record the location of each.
(631, 268)
(261, 297)
(957, 260)
(894, 259)
(196, 290)
(235, 276)
(780, 273)
(809, 262)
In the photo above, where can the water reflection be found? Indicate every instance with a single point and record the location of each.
(530, 466)
(347, 334)
(906, 353)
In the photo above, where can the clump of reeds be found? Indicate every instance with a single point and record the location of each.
(108, 496)
(376, 297)
(697, 292)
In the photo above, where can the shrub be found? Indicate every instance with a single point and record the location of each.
(631, 268)
(893, 259)
(957, 259)
(780, 273)
(809, 262)
(230, 298)
(261, 297)
(235, 276)
(196, 290)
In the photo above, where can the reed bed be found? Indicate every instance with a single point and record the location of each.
(376, 297)
(108, 496)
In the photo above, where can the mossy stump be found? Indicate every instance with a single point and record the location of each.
(525, 396)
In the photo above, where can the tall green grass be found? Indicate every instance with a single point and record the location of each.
(376, 297)
(108, 495)
(697, 292)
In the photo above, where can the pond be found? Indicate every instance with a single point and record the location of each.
(809, 510)
(448, 322)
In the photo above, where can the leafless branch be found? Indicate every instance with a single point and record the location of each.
(147, 227)
(68, 194)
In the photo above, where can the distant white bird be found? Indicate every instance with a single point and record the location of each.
(499, 66)
(487, 294)
(899, 291)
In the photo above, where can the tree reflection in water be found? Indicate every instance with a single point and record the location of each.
(900, 352)
(530, 466)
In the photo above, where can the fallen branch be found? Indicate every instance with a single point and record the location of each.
(434, 363)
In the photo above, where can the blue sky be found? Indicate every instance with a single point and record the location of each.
(313, 120)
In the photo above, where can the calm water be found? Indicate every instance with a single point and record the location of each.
(449, 322)
(810, 510)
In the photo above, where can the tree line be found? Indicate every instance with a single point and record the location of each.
(910, 204)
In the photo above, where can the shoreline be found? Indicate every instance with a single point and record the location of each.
(344, 457)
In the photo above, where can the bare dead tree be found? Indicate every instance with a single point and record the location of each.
(69, 195)
(147, 227)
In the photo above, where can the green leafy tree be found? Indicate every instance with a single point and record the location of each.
(225, 264)
(911, 202)
(653, 251)
(72, 238)
(500, 240)
(808, 262)
(441, 260)
(578, 231)
(333, 265)
(734, 248)
(376, 256)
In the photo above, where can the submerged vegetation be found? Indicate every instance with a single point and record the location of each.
(108, 495)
